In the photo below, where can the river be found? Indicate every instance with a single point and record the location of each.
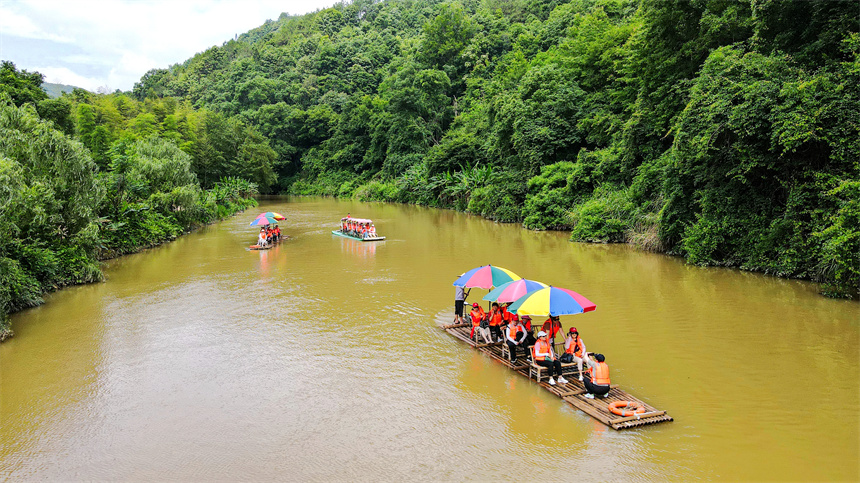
(322, 360)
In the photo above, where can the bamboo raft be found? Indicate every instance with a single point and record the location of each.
(372, 238)
(573, 392)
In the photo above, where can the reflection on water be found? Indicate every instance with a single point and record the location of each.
(358, 248)
(321, 359)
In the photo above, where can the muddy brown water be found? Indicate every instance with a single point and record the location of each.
(321, 360)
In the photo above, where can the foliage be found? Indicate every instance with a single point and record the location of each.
(66, 203)
(723, 131)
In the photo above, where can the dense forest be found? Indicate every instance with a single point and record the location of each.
(86, 177)
(723, 131)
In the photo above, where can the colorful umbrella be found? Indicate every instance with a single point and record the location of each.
(486, 277)
(511, 291)
(263, 220)
(272, 214)
(552, 301)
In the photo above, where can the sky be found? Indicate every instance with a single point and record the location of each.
(104, 45)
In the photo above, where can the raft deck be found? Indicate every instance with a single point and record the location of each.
(573, 392)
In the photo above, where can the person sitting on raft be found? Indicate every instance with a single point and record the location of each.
(477, 314)
(515, 335)
(574, 349)
(261, 239)
(545, 357)
(496, 318)
(372, 231)
(277, 233)
(364, 230)
(526, 323)
(507, 317)
(597, 379)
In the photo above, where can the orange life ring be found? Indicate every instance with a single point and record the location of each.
(615, 408)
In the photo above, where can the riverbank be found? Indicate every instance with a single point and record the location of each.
(133, 239)
(601, 220)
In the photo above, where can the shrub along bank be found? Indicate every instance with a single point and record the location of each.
(60, 213)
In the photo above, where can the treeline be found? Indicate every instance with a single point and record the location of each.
(86, 177)
(723, 131)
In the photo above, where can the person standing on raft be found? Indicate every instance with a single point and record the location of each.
(551, 326)
(597, 379)
(460, 294)
(544, 357)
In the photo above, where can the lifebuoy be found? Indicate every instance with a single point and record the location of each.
(615, 408)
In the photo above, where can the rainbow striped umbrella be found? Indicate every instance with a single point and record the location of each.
(511, 291)
(486, 277)
(551, 301)
(272, 214)
(263, 220)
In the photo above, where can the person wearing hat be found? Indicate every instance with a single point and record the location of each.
(261, 238)
(545, 357)
(574, 349)
(460, 294)
(597, 379)
(526, 323)
(478, 319)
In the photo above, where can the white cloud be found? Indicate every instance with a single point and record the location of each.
(62, 75)
(11, 23)
(123, 39)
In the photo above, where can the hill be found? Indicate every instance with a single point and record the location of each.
(724, 132)
(56, 90)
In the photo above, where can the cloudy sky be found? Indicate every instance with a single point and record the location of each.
(112, 43)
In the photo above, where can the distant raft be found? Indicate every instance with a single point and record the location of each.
(360, 229)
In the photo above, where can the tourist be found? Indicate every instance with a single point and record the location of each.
(551, 326)
(507, 317)
(515, 335)
(479, 319)
(460, 294)
(574, 349)
(597, 379)
(495, 318)
(545, 357)
(372, 231)
(526, 323)
(261, 239)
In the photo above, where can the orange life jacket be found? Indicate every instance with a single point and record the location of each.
(575, 347)
(496, 318)
(542, 346)
(513, 331)
(600, 374)
(551, 328)
(477, 316)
